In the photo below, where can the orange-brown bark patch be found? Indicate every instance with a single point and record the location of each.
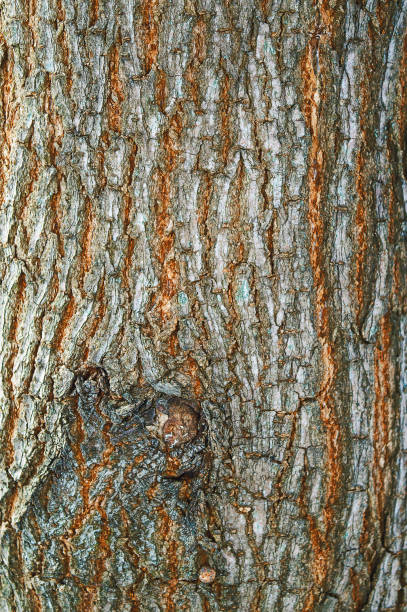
(150, 33)
(93, 12)
(8, 113)
(167, 535)
(173, 344)
(383, 374)
(264, 5)
(312, 95)
(392, 215)
(327, 14)
(151, 491)
(225, 105)
(397, 285)
(171, 466)
(383, 13)
(161, 89)
(63, 45)
(128, 202)
(65, 59)
(31, 6)
(321, 552)
(320, 564)
(356, 594)
(86, 259)
(88, 505)
(63, 324)
(199, 40)
(164, 233)
(192, 370)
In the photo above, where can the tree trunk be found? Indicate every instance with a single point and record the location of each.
(203, 305)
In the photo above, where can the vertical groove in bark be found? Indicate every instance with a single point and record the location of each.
(203, 200)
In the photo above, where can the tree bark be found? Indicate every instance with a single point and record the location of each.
(203, 305)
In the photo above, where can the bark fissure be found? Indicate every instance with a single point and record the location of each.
(203, 204)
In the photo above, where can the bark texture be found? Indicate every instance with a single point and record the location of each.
(203, 305)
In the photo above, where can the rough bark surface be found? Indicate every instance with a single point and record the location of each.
(203, 316)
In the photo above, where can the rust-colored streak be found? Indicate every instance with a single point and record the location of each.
(199, 40)
(163, 220)
(383, 14)
(128, 201)
(36, 601)
(64, 47)
(172, 466)
(361, 231)
(320, 541)
(321, 556)
(161, 89)
(356, 594)
(116, 92)
(169, 271)
(167, 534)
(31, 7)
(163, 225)
(225, 117)
(93, 12)
(383, 375)
(87, 480)
(327, 14)
(8, 110)
(63, 324)
(86, 257)
(65, 60)
(149, 26)
(192, 370)
(264, 5)
(173, 344)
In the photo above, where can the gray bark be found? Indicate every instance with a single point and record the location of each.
(203, 305)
